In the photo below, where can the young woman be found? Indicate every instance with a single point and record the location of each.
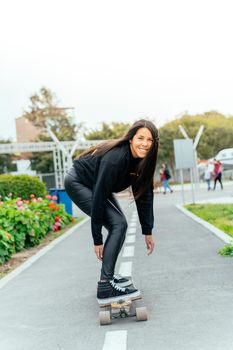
(217, 173)
(99, 172)
(165, 177)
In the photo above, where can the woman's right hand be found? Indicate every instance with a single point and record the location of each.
(150, 244)
(99, 249)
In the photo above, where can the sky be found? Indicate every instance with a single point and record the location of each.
(116, 61)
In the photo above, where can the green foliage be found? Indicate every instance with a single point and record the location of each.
(7, 246)
(108, 131)
(217, 135)
(219, 215)
(42, 162)
(21, 186)
(44, 109)
(28, 222)
(227, 250)
(6, 164)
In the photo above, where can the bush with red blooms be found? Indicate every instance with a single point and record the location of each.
(24, 222)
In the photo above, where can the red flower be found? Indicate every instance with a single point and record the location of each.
(53, 206)
(55, 228)
(32, 196)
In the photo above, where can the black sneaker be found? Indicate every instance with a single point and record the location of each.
(122, 281)
(109, 292)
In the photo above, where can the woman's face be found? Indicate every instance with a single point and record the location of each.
(141, 143)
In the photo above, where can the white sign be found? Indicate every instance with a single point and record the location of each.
(184, 154)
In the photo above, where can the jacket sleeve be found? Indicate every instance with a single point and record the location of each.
(145, 211)
(105, 179)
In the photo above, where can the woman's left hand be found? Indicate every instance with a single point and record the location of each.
(99, 249)
(150, 244)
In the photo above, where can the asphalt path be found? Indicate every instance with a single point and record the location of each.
(186, 286)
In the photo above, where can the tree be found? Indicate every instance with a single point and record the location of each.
(44, 110)
(108, 131)
(6, 164)
(217, 134)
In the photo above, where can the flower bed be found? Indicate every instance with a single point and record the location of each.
(24, 223)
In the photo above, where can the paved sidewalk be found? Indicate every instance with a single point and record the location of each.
(186, 286)
(192, 285)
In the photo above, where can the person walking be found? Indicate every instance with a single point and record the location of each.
(99, 172)
(217, 173)
(165, 178)
(207, 176)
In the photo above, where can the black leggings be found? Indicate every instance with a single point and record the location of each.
(113, 220)
(218, 178)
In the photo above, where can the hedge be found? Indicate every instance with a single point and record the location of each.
(7, 246)
(23, 224)
(21, 186)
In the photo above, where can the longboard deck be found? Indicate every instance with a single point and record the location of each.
(119, 302)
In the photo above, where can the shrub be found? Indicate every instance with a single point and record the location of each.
(28, 221)
(227, 250)
(21, 186)
(7, 246)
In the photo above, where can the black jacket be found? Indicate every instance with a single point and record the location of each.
(113, 172)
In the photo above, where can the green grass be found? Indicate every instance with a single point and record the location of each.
(219, 215)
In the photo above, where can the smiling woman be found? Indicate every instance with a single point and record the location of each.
(99, 172)
(141, 143)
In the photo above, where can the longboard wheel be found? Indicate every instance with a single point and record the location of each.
(141, 313)
(105, 318)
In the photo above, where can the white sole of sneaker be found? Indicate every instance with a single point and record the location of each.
(108, 301)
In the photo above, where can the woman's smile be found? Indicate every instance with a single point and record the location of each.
(141, 143)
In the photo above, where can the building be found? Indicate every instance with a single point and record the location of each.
(25, 130)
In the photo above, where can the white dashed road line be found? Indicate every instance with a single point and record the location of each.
(134, 219)
(126, 269)
(130, 239)
(128, 251)
(131, 230)
(132, 224)
(116, 340)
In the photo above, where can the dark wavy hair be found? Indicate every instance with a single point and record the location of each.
(146, 167)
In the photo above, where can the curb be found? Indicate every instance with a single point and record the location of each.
(43, 251)
(220, 234)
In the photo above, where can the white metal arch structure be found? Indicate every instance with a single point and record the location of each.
(62, 153)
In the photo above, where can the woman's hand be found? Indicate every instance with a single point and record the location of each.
(99, 251)
(150, 244)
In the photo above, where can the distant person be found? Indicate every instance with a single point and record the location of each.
(165, 178)
(207, 176)
(96, 175)
(217, 173)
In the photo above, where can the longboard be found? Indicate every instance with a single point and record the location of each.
(122, 309)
